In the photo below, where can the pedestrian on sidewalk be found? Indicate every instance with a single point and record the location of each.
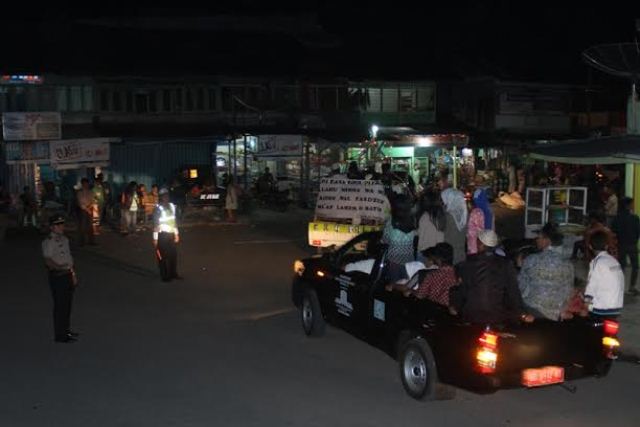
(86, 201)
(129, 203)
(62, 279)
(605, 283)
(626, 225)
(611, 205)
(231, 201)
(166, 237)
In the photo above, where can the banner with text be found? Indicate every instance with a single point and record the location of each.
(75, 153)
(27, 152)
(279, 146)
(31, 126)
(352, 199)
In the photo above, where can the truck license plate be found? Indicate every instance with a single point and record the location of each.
(542, 376)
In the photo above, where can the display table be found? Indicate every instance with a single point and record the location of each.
(564, 205)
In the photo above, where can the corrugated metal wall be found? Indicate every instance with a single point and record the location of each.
(155, 162)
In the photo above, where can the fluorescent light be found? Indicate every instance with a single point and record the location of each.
(424, 141)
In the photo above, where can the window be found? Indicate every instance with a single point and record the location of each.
(88, 98)
(200, 99)
(213, 99)
(117, 101)
(188, 102)
(142, 103)
(390, 100)
(129, 101)
(104, 99)
(374, 100)
(153, 103)
(425, 99)
(32, 99)
(76, 98)
(327, 98)
(3, 99)
(227, 99)
(360, 254)
(407, 100)
(178, 100)
(166, 100)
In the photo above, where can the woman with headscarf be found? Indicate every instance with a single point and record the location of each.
(455, 229)
(399, 234)
(480, 218)
(432, 221)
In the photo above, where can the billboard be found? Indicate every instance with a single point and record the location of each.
(31, 126)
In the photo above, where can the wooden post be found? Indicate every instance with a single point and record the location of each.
(235, 160)
(455, 167)
(246, 174)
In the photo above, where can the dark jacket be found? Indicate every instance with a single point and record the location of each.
(489, 290)
(627, 227)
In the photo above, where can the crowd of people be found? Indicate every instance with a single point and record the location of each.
(463, 266)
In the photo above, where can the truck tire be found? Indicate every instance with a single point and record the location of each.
(418, 370)
(311, 315)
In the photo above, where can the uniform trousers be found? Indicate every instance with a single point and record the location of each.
(62, 288)
(167, 256)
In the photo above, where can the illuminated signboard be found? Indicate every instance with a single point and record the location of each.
(13, 79)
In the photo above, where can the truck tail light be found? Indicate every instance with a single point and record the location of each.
(610, 343)
(611, 328)
(487, 352)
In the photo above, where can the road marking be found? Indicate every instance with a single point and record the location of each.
(267, 314)
(261, 242)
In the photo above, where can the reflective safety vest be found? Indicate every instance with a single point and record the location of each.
(167, 220)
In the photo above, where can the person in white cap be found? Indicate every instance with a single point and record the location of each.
(166, 236)
(488, 293)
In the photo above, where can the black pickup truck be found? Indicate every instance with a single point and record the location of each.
(434, 349)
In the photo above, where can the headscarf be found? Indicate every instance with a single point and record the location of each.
(455, 205)
(481, 201)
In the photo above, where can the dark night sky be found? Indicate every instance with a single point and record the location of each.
(396, 39)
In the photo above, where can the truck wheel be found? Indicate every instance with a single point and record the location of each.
(418, 370)
(311, 315)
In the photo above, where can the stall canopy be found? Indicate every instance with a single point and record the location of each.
(592, 151)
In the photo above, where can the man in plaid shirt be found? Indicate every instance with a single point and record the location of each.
(436, 283)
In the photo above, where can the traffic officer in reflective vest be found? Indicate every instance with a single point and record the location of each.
(62, 278)
(165, 236)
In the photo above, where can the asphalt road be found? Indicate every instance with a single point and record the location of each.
(225, 347)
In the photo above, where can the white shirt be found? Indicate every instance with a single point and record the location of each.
(605, 284)
(56, 248)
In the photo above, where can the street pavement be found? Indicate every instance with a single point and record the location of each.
(225, 347)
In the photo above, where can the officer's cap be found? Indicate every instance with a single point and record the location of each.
(56, 219)
(163, 191)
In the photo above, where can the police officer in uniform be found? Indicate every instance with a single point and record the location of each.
(62, 278)
(166, 236)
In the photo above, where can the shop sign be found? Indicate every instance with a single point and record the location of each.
(278, 146)
(79, 152)
(352, 199)
(31, 126)
(27, 152)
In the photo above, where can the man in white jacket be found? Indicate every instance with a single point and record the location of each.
(605, 285)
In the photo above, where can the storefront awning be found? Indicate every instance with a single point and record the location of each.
(592, 151)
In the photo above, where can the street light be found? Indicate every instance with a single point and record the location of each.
(374, 130)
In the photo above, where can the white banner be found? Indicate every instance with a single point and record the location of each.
(31, 126)
(77, 152)
(352, 199)
(279, 146)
